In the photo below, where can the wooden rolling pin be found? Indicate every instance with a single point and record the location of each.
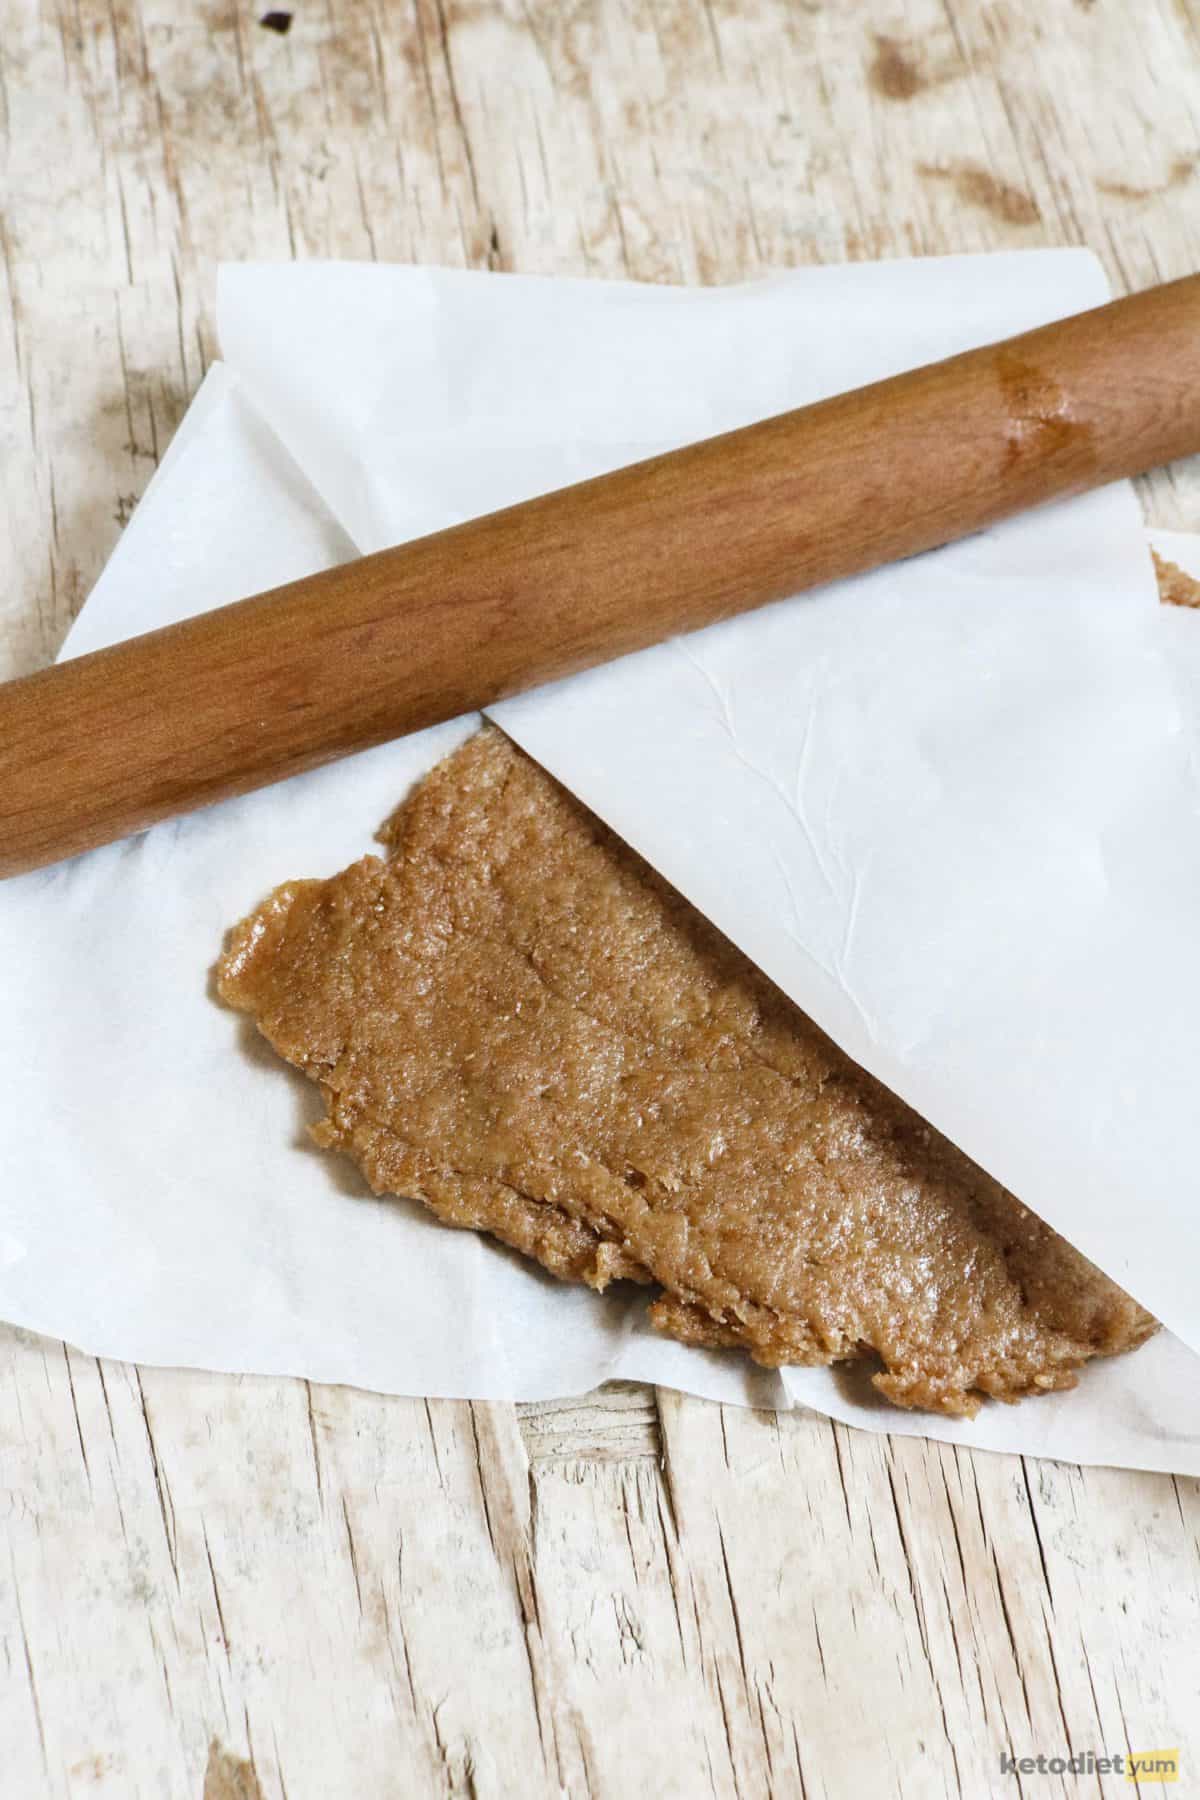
(109, 743)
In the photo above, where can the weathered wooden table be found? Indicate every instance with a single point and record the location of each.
(248, 1587)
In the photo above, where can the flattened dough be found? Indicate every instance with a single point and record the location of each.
(515, 1020)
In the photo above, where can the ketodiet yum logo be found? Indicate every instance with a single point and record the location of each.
(1134, 1765)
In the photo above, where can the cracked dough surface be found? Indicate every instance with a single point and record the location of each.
(513, 1019)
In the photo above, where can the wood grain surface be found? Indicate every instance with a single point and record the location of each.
(237, 1588)
(350, 657)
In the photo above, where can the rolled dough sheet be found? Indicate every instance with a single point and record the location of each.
(515, 1020)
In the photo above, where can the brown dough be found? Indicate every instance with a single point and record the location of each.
(515, 1020)
(1174, 586)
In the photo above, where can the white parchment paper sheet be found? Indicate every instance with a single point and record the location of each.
(952, 808)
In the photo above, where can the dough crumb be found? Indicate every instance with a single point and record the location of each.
(1175, 587)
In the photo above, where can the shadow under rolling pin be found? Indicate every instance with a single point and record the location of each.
(110, 743)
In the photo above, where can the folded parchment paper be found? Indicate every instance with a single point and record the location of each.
(951, 808)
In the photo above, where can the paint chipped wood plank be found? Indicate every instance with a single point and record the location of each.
(269, 1589)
